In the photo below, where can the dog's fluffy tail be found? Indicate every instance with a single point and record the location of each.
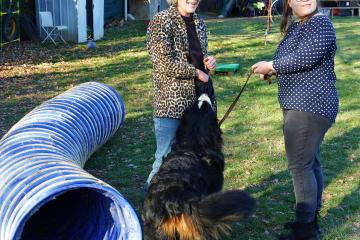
(211, 217)
(217, 210)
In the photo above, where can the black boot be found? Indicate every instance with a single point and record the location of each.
(290, 225)
(301, 231)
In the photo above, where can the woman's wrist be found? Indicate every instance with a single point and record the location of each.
(271, 66)
(272, 69)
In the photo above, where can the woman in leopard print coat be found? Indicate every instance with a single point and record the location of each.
(177, 43)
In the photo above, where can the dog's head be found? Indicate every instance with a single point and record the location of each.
(199, 128)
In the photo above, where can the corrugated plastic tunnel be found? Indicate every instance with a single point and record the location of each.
(45, 193)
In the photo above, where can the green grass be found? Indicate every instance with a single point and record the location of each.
(254, 148)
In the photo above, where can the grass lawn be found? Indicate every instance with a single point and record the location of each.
(254, 149)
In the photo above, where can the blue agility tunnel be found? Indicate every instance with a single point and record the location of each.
(44, 192)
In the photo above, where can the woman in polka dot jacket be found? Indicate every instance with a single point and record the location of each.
(304, 66)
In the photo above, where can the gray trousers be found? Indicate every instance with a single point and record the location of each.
(303, 134)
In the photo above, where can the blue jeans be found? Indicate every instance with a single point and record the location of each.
(165, 131)
(303, 134)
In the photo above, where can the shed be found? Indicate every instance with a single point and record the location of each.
(77, 15)
(145, 9)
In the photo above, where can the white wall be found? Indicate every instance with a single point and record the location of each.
(98, 19)
(72, 13)
(81, 21)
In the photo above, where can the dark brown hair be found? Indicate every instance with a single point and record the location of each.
(286, 18)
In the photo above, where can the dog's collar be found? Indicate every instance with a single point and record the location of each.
(202, 98)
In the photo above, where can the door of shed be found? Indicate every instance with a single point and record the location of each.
(81, 23)
(98, 19)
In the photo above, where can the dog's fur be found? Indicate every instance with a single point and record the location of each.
(184, 201)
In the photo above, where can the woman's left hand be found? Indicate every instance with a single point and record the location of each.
(210, 63)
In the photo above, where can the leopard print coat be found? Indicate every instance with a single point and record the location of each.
(173, 76)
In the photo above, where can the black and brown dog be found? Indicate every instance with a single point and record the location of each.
(184, 201)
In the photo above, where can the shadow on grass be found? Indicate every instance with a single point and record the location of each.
(336, 161)
(336, 218)
(125, 160)
(20, 94)
(130, 36)
(275, 198)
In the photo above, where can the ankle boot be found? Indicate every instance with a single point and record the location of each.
(301, 231)
(290, 225)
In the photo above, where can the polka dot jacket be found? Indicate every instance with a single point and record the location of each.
(304, 62)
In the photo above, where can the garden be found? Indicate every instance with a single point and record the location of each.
(32, 73)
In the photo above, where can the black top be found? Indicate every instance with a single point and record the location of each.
(196, 58)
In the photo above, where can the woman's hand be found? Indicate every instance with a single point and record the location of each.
(264, 68)
(203, 77)
(210, 63)
(267, 77)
